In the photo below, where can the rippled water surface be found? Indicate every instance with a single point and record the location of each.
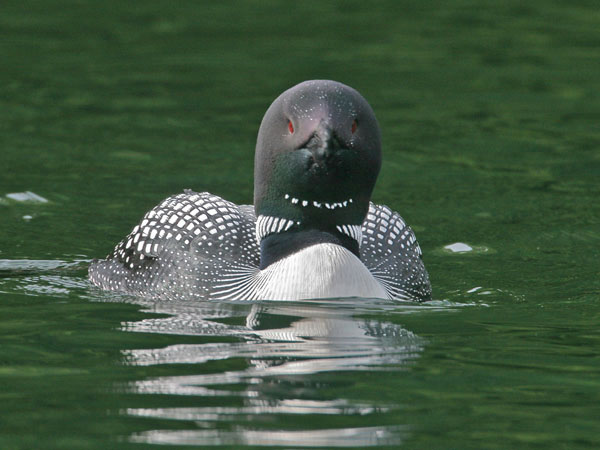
(489, 113)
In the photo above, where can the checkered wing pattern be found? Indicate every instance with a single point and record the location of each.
(390, 251)
(183, 247)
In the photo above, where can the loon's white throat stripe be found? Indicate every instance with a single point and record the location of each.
(353, 231)
(268, 224)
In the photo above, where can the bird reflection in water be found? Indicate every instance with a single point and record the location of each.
(295, 355)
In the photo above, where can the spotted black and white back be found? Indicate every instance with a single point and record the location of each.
(200, 245)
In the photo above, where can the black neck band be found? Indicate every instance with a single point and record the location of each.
(277, 246)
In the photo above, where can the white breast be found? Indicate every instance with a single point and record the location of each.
(318, 271)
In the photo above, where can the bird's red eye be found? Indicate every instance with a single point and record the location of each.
(354, 126)
(290, 126)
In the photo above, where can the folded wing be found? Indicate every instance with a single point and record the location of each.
(183, 247)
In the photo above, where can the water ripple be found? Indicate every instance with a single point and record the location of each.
(282, 344)
(242, 370)
(349, 437)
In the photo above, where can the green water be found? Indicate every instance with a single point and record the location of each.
(490, 115)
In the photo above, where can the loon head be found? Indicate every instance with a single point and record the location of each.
(318, 154)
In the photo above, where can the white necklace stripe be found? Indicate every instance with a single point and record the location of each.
(353, 231)
(266, 225)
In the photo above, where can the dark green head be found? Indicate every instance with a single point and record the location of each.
(318, 154)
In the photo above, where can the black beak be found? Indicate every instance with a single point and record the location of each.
(323, 144)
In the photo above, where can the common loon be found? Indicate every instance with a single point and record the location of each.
(312, 232)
